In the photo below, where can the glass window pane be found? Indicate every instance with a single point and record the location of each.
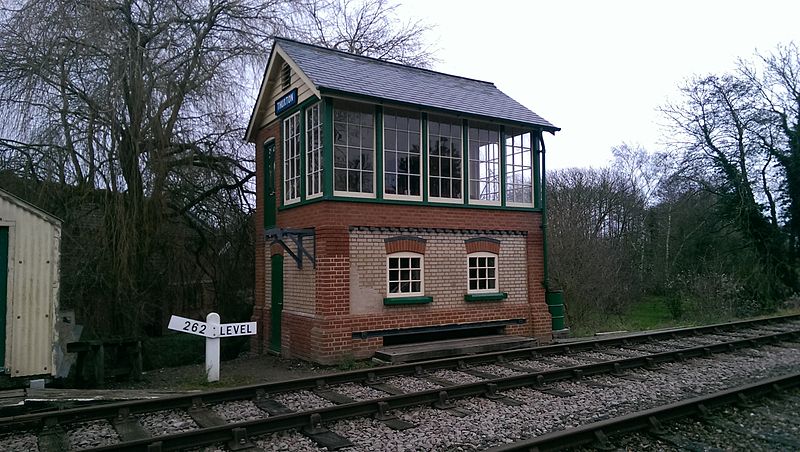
(390, 183)
(340, 180)
(389, 139)
(353, 181)
(414, 185)
(434, 187)
(366, 182)
(366, 160)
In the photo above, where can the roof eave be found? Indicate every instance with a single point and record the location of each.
(380, 100)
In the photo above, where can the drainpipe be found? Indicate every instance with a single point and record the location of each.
(546, 280)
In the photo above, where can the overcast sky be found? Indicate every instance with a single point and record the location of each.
(599, 69)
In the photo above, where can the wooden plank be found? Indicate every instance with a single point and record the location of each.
(88, 395)
(452, 347)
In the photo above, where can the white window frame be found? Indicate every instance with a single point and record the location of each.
(407, 114)
(480, 254)
(451, 122)
(314, 151)
(291, 158)
(400, 255)
(354, 194)
(494, 128)
(512, 163)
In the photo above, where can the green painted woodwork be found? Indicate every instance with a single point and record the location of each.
(327, 147)
(424, 157)
(276, 305)
(537, 181)
(378, 152)
(3, 291)
(485, 297)
(269, 184)
(555, 304)
(406, 300)
(503, 180)
(465, 159)
(545, 257)
(302, 152)
(408, 203)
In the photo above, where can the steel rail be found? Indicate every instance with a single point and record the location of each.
(236, 432)
(597, 432)
(112, 410)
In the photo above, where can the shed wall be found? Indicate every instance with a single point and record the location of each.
(33, 266)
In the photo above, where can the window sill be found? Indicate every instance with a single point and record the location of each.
(473, 297)
(391, 301)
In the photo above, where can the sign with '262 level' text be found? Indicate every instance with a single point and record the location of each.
(212, 330)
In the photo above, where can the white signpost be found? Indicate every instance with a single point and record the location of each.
(212, 330)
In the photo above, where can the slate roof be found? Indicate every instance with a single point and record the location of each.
(346, 73)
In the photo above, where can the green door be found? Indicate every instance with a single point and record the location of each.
(277, 304)
(3, 290)
(276, 276)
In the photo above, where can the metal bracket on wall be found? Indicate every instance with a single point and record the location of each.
(278, 235)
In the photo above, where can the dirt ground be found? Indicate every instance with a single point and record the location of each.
(250, 369)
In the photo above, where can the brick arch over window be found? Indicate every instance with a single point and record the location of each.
(405, 244)
(482, 245)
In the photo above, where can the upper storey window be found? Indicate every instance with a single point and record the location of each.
(314, 151)
(402, 157)
(444, 159)
(484, 164)
(519, 168)
(291, 159)
(353, 149)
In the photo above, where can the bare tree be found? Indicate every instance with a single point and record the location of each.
(725, 153)
(362, 27)
(776, 78)
(596, 218)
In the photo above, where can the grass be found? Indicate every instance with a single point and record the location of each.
(652, 313)
(649, 314)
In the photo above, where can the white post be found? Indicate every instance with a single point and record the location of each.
(212, 347)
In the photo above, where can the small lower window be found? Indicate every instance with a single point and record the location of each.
(404, 275)
(482, 269)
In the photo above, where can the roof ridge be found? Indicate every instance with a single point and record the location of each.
(378, 60)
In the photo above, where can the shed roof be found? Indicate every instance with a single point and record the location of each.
(340, 72)
(25, 205)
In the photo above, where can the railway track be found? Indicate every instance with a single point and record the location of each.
(349, 410)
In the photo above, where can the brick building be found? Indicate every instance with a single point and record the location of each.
(398, 204)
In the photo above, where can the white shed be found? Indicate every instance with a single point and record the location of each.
(29, 273)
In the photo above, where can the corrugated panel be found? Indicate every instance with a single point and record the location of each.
(33, 288)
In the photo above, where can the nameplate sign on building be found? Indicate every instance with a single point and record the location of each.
(286, 102)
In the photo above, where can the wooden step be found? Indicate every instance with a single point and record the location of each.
(420, 351)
